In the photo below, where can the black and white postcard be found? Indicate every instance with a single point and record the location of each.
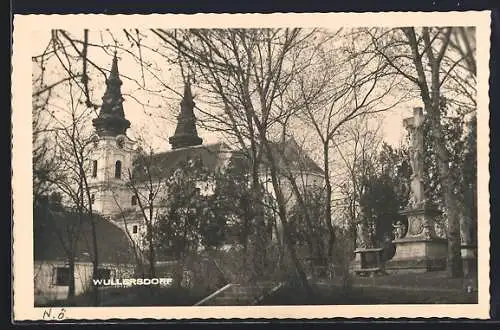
(250, 166)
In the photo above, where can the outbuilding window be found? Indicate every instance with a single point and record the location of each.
(61, 276)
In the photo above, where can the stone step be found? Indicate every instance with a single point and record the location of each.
(222, 303)
(231, 294)
(240, 294)
(228, 301)
(241, 290)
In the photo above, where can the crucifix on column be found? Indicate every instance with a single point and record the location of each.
(414, 125)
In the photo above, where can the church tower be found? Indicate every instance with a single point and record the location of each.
(111, 120)
(112, 150)
(185, 132)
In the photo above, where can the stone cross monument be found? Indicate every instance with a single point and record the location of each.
(418, 248)
(415, 126)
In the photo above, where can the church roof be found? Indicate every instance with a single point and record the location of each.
(52, 236)
(289, 155)
(163, 164)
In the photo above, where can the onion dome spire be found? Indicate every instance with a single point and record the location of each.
(111, 120)
(186, 134)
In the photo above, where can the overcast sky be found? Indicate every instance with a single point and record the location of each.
(155, 117)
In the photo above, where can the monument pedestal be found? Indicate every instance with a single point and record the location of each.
(469, 259)
(368, 262)
(419, 250)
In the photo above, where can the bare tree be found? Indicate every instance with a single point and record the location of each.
(245, 71)
(137, 248)
(148, 184)
(350, 84)
(358, 157)
(44, 164)
(71, 142)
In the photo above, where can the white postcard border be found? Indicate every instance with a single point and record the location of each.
(22, 162)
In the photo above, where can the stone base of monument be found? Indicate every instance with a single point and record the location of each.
(419, 250)
(469, 259)
(368, 262)
(416, 255)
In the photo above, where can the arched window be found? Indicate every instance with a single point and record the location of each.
(134, 200)
(94, 168)
(118, 169)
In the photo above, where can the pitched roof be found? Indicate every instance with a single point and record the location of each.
(288, 154)
(52, 236)
(163, 164)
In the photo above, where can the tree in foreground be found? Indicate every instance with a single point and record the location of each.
(189, 220)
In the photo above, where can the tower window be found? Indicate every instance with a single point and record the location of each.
(118, 169)
(134, 200)
(92, 198)
(94, 168)
(134, 229)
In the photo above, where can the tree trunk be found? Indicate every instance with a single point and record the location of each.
(259, 236)
(71, 286)
(328, 202)
(354, 232)
(465, 225)
(177, 274)
(95, 288)
(313, 238)
(300, 271)
(95, 260)
(454, 262)
(151, 253)
(286, 229)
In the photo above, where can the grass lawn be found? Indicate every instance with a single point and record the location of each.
(368, 296)
(435, 280)
(427, 288)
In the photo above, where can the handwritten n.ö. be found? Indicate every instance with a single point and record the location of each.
(49, 314)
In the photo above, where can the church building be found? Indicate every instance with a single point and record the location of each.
(122, 187)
